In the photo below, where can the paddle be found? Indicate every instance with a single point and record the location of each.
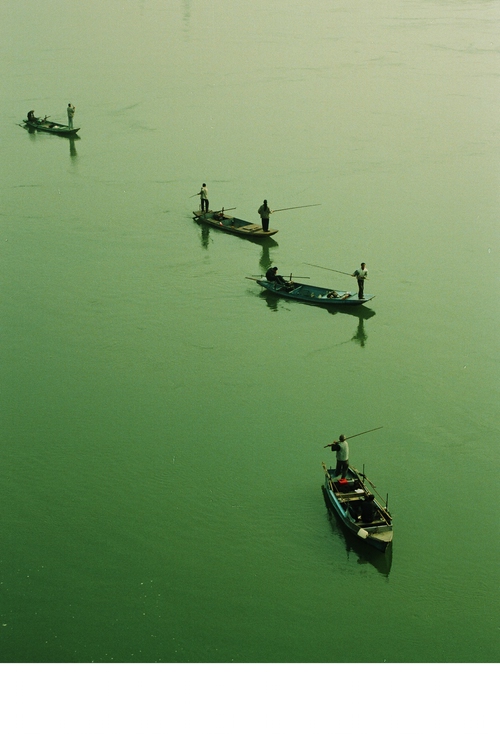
(327, 269)
(353, 436)
(220, 210)
(295, 277)
(328, 476)
(291, 208)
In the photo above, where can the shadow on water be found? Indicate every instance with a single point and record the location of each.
(71, 139)
(205, 236)
(265, 261)
(72, 147)
(265, 242)
(362, 552)
(359, 311)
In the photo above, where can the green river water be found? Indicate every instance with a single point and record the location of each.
(163, 419)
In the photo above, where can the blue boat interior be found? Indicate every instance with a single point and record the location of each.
(232, 221)
(355, 500)
(306, 291)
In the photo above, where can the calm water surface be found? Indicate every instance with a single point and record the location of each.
(163, 419)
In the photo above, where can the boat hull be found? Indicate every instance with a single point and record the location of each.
(46, 126)
(232, 225)
(347, 501)
(315, 295)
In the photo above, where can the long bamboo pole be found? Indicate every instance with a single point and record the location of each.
(328, 269)
(353, 436)
(291, 208)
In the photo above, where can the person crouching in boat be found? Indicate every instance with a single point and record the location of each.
(368, 509)
(31, 116)
(341, 446)
(271, 275)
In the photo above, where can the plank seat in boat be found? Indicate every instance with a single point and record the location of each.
(250, 228)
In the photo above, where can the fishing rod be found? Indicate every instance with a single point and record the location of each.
(295, 277)
(220, 210)
(291, 208)
(353, 436)
(327, 269)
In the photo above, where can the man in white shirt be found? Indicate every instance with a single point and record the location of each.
(71, 112)
(342, 449)
(204, 198)
(361, 274)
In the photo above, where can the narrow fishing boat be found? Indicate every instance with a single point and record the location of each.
(358, 507)
(231, 224)
(313, 294)
(46, 126)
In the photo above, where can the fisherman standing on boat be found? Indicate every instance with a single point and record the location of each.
(361, 274)
(341, 447)
(265, 212)
(71, 111)
(204, 198)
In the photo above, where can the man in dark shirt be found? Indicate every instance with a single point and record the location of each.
(368, 509)
(265, 212)
(271, 275)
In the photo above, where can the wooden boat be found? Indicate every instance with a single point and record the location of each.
(231, 224)
(314, 294)
(358, 507)
(46, 126)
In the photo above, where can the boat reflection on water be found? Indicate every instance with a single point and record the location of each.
(265, 243)
(71, 138)
(363, 553)
(360, 312)
(272, 300)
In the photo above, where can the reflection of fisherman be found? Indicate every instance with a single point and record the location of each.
(265, 212)
(271, 275)
(360, 336)
(361, 274)
(71, 112)
(342, 449)
(204, 198)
